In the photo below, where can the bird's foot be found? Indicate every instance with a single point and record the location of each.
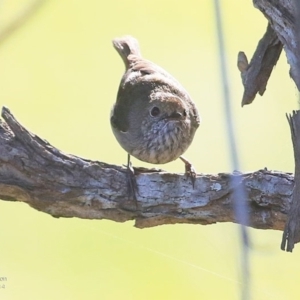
(131, 183)
(190, 171)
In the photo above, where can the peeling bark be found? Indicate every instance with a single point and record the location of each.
(64, 185)
(283, 30)
(255, 75)
(291, 234)
(282, 17)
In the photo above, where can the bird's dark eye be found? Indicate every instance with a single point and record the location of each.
(154, 112)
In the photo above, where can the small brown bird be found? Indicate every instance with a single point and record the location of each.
(154, 119)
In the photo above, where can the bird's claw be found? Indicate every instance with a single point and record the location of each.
(190, 171)
(131, 183)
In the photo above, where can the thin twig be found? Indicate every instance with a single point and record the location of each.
(239, 192)
(20, 19)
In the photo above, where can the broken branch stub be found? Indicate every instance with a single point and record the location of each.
(255, 75)
(291, 234)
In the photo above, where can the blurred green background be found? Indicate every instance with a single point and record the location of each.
(59, 76)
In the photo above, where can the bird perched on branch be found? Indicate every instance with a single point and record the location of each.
(154, 119)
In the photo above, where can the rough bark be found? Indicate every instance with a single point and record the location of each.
(255, 75)
(291, 233)
(282, 15)
(283, 30)
(64, 185)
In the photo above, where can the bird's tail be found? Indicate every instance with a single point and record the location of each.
(126, 46)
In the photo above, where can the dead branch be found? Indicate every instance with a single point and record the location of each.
(281, 31)
(255, 75)
(64, 185)
(291, 234)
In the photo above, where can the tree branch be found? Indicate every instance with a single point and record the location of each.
(281, 31)
(291, 233)
(255, 75)
(64, 185)
(282, 16)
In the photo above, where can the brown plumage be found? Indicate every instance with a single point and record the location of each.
(154, 118)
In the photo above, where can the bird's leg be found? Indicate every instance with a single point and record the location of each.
(131, 181)
(189, 170)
